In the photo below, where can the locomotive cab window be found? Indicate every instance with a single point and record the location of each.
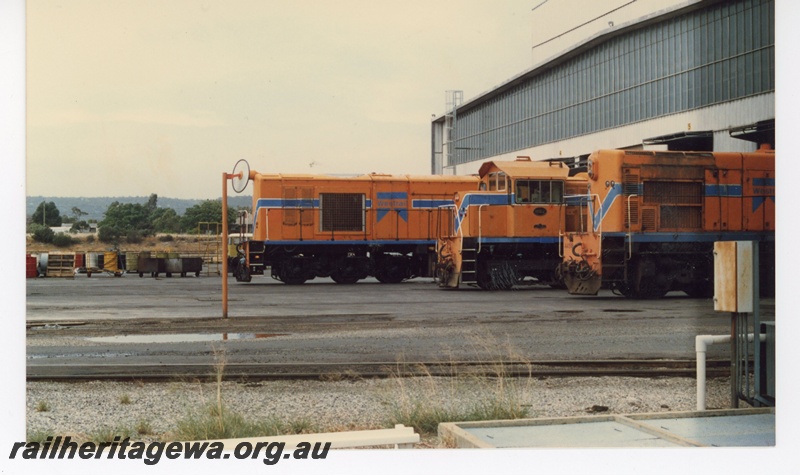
(498, 181)
(539, 191)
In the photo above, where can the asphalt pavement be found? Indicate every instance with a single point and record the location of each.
(146, 320)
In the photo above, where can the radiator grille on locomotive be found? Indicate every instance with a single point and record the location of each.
(673, 192)
(342, 211)
(681, 217)
(681, 203)
(648, 219)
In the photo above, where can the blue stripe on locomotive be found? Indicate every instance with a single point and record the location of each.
(696, 236)
(711, 190)
(477, 199)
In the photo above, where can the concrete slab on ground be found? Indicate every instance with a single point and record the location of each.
(717, 428)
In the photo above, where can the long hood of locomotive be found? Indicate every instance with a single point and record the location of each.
(743, 182)
(381, 207)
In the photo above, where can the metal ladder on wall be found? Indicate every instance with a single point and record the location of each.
(453, 100)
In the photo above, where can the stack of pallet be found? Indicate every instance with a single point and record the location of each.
(61, 265)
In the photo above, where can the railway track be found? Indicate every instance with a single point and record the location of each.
(339, 371)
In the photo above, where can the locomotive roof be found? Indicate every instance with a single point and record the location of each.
(525, 168)
(369, 177)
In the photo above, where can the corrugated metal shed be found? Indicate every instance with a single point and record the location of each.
(688, 60)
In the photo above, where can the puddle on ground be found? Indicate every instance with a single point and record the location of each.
(37, 356)
(182, 337)
(48, 326)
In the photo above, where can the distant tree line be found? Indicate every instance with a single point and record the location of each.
(130, 222)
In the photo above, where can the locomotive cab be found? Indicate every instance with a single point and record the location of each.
(508, 230)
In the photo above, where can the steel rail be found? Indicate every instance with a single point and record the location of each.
(339, 371)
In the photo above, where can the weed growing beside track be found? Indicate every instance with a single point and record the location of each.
(423, 401)
(414, 395)
(217, 421)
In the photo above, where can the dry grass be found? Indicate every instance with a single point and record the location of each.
(423, 401)
(216, 421)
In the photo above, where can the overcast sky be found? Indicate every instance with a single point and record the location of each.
(132, 97)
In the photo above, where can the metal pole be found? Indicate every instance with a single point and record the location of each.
(757, 399)
(225, 177)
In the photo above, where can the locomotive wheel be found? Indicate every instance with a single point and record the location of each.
(652, 290)
(293, 280)
(648, 281)
(648, 289)
(389, 279)
(391, 271)
(348, 271)
(292, 274)
(703, 290)
(344, 279)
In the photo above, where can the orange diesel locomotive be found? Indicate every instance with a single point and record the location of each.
(509, 228)
(653, 218)
(308, 226)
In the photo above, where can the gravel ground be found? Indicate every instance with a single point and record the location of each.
(84, 409)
